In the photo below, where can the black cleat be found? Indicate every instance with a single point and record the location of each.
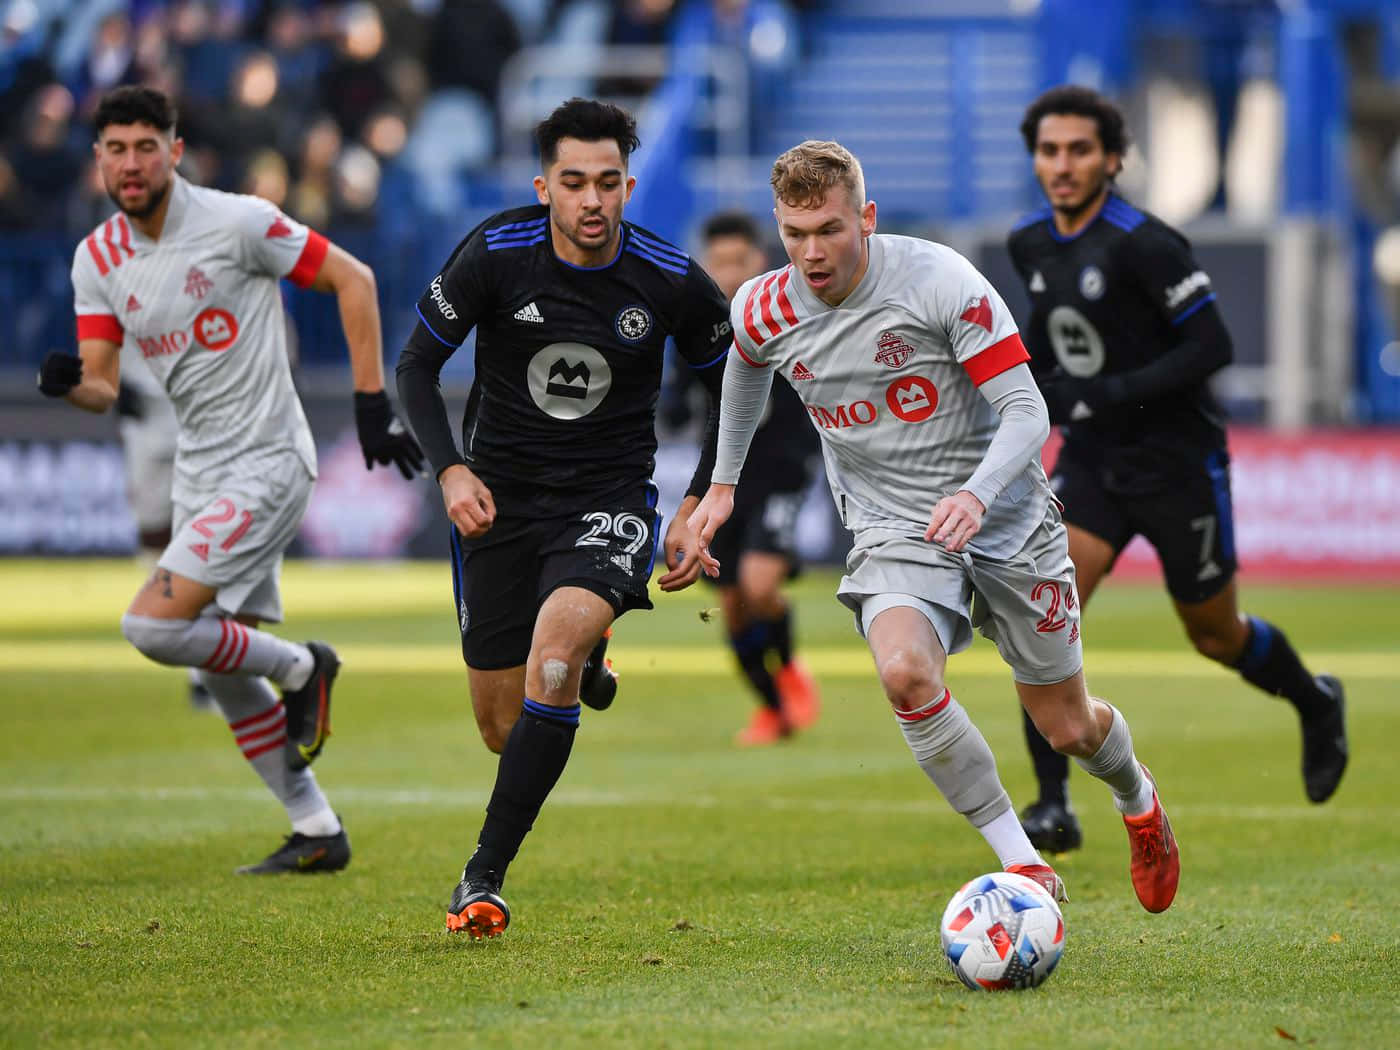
(597, 686)
(309, 708)
(304, 855)
(477, 907)
(1052, 826)
(1325, 743)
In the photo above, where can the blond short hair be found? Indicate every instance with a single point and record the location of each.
(804, 175)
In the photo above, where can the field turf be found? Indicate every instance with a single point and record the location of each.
(676, 892)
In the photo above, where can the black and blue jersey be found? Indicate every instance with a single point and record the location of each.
(568, 360)
(1124, 307)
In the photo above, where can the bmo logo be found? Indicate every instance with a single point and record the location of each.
(857, 414)
(215, 329)
(912, 398)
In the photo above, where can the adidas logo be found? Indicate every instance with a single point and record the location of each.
(529, 312)
(801, 371)
(1037, 282)
(132, 303)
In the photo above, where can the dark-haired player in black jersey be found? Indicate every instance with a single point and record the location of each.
(555, 515)
(1123, 335)
(757, 547)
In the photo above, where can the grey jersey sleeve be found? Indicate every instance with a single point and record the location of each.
(1025, 425)
(745, 394)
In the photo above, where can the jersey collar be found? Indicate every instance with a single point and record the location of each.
(1061, 238)
(174, 215)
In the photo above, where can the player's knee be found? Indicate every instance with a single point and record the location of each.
(1075, 737)
(494, 736)
(160, 640)
(1215, 645)
(909, 680)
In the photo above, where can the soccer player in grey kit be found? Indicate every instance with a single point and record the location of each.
(189, 276)
(914, 375)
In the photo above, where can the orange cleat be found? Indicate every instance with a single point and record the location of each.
(1045, 876)
(797, 690)
(1156, 862)
(478, 908)
(766, 727)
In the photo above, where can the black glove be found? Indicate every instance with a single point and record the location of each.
(1071, 400)
(383, 438)
(130, 403)
(59, 374)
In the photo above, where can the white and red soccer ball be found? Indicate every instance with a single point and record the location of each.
(1002, 931)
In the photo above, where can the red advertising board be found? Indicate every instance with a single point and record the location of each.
(1309, 504)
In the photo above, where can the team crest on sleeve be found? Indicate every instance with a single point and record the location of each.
(1091, 282)
(633, 323)
(978, 312)
(891, 350)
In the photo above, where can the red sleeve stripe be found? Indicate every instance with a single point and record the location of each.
(309, 264)
(126, 236)
(765, 301)
(786, 307)
(96, 254)
(99, 326)
(749, 326)
(747, 358)
(111, 245)
(996, 359)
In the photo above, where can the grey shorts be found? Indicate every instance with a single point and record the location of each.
(231, 537)
(1027, 604)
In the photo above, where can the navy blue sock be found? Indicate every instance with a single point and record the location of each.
(1270, 663)
(751, 649)
(531, 762)
(780, 637)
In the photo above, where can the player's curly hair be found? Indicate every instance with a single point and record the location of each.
(1074, 100)
(134, 104)
(804, 174)
(588, 120)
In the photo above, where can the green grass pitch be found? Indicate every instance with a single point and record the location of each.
(676, 892)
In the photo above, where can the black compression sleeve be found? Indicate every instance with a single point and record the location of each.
(1204, 349)
(713, 380)
(419, 366)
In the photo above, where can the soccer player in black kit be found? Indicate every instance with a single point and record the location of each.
(756, 548)
(1123, 335)
(556, 524)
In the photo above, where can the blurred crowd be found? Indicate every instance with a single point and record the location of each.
(344, 113)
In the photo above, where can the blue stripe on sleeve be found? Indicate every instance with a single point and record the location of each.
(429, 327)
(1193, 308)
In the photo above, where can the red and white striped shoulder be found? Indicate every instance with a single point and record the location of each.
(109, 245)
(762, 309)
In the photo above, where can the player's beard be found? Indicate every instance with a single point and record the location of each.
(153, 201)
(1089, 200)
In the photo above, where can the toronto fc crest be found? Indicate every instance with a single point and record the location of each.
(892, 350)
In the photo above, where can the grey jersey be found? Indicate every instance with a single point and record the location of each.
(890, 380)
(202, 308)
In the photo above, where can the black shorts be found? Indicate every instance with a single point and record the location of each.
(766, 505)
(1189, 522)
(499, 580)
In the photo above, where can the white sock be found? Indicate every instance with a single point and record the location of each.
(1115, 764)
(259, 725)
(302, 666)
(1008, 840)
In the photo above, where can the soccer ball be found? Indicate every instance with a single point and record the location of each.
(1003, 931)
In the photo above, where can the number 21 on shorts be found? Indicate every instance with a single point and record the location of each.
(221, 513)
